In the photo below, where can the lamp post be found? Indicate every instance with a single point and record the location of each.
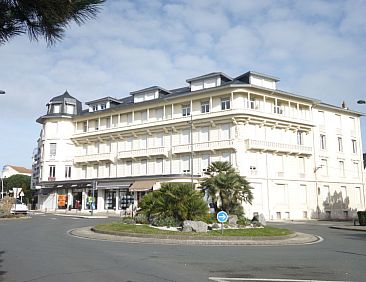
(2, 186)
(191, 123)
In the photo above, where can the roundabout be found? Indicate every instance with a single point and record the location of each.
(294, 239)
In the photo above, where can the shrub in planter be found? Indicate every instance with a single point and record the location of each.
(166, 221)
(128, 220)
(362, 217)
(141, 219)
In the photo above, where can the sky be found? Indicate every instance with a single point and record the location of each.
(316, 48)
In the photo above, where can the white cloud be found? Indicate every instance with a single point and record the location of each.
(316, 48)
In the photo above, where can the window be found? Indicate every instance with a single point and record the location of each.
(186, 110)
(277, 109)
(52, 171)
(322, 142)
(225, 131)
(341, 168)
(159, 140)
(354, 146)
(68, 171)
(339, 121)
(95, 171)
(340, 144)
(324, 166)
(301, 166)
(225, 103)
(85, 126)
(96, 123)
(70, 109)
(84, 171)
(205, 107)
(356, 170)
(300, 138)
(144, 116)
(143, 167)
(103, 106)
(186, 164)
(95, 108)
(159, 166)
(128, 168)
(52, 150)
(185, 137)
(107, 170)
(108, 122)
(56, 109)
(204, 134)
(205, 162)
(159, 114)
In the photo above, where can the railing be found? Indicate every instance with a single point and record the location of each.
(94, 158)
(262, 145)
(159, 151)
(204, 146)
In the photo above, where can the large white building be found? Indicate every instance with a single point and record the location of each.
(302, 157)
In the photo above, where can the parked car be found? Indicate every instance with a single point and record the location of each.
(19, 207)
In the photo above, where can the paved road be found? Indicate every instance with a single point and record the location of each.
(39, 249)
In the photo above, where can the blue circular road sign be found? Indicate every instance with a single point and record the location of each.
(222, 216)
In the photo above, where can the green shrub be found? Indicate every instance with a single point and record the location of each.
(128, 220)
(243, 221)
(177, 200)
(166, 221)
(209, 218)
(141, 219)
(362, 217)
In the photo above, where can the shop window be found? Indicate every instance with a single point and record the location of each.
(89, 201)
(110, 200)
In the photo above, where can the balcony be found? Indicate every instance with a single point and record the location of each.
(204, 146)
(94, 158)
(268, 146)
(143, 153)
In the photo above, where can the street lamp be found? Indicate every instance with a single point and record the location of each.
(2, 186)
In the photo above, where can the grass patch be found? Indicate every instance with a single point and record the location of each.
(145, 229)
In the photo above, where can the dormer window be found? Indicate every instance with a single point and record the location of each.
(95, 108)
(56, 109)
(103, 106)
(208, 81)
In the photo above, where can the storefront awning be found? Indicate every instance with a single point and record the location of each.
(113, 185)
(140, 186)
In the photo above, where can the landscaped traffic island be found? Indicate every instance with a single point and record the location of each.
(138, 229)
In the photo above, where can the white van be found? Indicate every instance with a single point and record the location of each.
(19, 207)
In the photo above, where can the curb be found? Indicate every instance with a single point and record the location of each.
(292, 239)
(350, 228)
(187, 237)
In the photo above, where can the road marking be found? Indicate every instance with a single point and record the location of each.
(223, 279)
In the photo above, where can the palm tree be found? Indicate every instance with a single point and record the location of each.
(47, 18)
(177, 200)
(227, 188)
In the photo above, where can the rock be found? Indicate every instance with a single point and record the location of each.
(233, 219)
(262, 220)
(195, 226)
(215, 226)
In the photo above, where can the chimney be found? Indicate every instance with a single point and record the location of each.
(344, 105)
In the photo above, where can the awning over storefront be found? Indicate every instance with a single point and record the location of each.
(113, 185)
(140, 186)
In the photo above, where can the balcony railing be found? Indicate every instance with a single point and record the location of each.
(269, 146)
(204, 146)
(95, 158)
(141, 153)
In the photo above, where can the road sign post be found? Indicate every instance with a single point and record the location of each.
(222, 217)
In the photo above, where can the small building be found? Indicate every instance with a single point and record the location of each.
(9, 170)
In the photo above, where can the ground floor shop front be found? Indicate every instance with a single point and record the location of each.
(122, 199)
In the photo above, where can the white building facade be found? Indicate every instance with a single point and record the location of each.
(302, 157)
